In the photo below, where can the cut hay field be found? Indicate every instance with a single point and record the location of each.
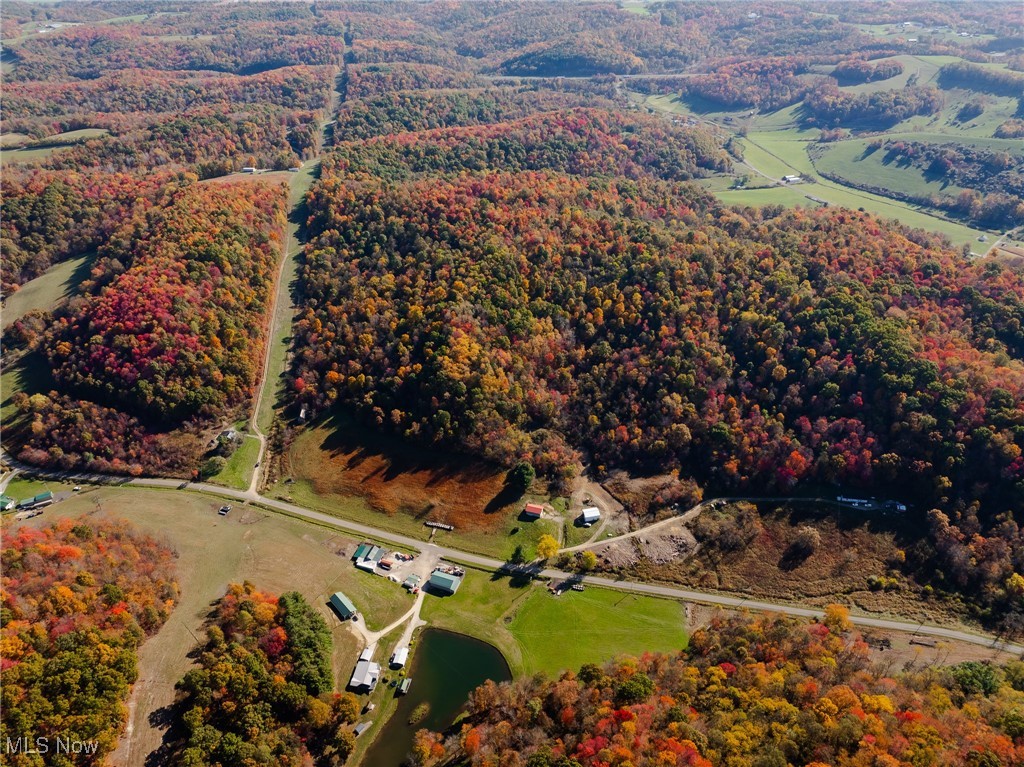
(539, 632)
(352, 473)
(276, 553)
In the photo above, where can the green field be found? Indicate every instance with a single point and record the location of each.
(775, 145)
(238, 470)
(48, 290)
(791, 153)
(281, 328)
(539, 632)
(790, 197)
(38, 150)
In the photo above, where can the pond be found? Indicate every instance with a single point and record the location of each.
(445, 668)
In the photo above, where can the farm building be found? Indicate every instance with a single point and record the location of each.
(365, 676)
(345, 607)
(400, 656)
(38, 501)
(7, 503)
(361, 551)
(443, 582)
(591, 515)
(533, 510)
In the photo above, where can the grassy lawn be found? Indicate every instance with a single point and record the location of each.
(635, 6)
(281, 329)
(776, 145)
(21, 488)
(792, 153)
(540, 632)
(238, 470)
(790, 197)
(48, 290)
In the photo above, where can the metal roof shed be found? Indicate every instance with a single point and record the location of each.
(444, 582)
(345, 607)
(400, 656)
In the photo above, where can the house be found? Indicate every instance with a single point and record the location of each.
(343, 605)
(7, 503)
(533, 511)
(400, 656)
(368, 651)
(248, 169)
(591, 515)
(445, 583)
(365, 676)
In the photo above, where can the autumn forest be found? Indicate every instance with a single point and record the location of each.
(506, 234)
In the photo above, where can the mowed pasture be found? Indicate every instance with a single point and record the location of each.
(275, 552)
(860, 165)
(14, 153)
(776, 144)
(539, 632)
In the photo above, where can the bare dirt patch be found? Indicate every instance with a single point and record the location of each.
(396, 478)
(650, 499)
(768, 562)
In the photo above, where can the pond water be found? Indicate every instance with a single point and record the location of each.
(445, 668)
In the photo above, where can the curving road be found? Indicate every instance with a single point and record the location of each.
(455, 555)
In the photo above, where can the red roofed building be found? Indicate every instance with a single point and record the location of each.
(533, 510)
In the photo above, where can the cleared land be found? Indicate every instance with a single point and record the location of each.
(46, 291)
(537, 631)
(38, 150)
(349, 472)
(775, 145)
(240, 465)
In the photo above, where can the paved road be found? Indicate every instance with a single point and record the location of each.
(455, 555)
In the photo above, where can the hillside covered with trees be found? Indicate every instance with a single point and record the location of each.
(263, 691)
(764, 692)
(77, 600)
(558, 304)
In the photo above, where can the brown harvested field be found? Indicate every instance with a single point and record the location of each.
(395, 478)
(851, 550)
(276, 553)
